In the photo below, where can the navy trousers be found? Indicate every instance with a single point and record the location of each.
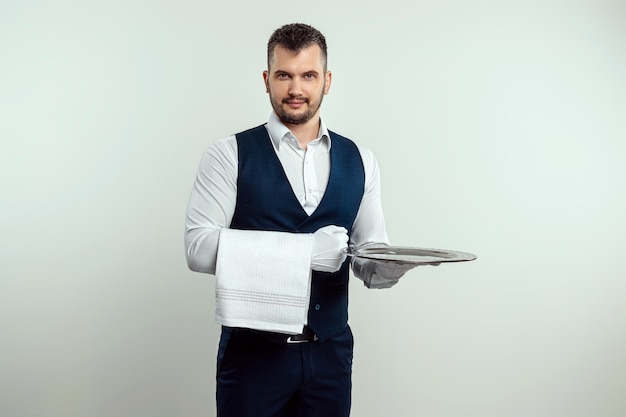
(259, 377)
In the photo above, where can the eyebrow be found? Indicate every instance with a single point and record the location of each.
(311, 71)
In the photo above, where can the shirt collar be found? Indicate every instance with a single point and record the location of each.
(279, 132)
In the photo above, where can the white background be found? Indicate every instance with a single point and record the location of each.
(500, 130)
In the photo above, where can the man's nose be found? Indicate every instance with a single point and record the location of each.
(295, 87)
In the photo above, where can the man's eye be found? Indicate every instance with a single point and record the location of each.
(283, 76)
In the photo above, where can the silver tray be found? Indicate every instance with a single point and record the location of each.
(403, 254)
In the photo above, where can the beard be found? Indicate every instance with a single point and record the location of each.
(288, 116)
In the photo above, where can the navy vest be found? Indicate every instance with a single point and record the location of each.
(265, 201)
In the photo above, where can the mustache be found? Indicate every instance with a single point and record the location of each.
(299, 98)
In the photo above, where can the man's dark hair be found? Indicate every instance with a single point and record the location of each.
(295, 37)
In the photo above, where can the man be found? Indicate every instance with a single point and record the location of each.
(271, 213)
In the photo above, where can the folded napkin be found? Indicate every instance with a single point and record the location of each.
(263, 280)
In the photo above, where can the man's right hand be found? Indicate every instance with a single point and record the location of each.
(329, 243)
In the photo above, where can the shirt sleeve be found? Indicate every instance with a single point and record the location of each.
(211, 204)
(369, 224)
(369, 229)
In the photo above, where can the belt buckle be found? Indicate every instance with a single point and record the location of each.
(291, 340)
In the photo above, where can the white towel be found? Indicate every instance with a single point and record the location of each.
(263, 280)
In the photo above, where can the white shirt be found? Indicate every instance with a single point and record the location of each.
(214, 194)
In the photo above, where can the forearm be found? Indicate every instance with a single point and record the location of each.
(201, 249)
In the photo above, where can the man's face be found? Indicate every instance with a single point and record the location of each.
(296, 83)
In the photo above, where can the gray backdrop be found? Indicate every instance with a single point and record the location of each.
(499, 128)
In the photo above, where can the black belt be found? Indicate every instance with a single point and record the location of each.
(306, 336)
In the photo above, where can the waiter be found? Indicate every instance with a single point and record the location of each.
(271, 212)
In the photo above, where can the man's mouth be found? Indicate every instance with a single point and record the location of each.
(295, 102)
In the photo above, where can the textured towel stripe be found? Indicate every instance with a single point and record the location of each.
(258, 297)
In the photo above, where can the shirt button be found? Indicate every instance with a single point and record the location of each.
(317, 306)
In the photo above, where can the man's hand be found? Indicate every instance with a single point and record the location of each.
(329, 243)
(387, 274)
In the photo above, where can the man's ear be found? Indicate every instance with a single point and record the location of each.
(265, 81)
(328, 80)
